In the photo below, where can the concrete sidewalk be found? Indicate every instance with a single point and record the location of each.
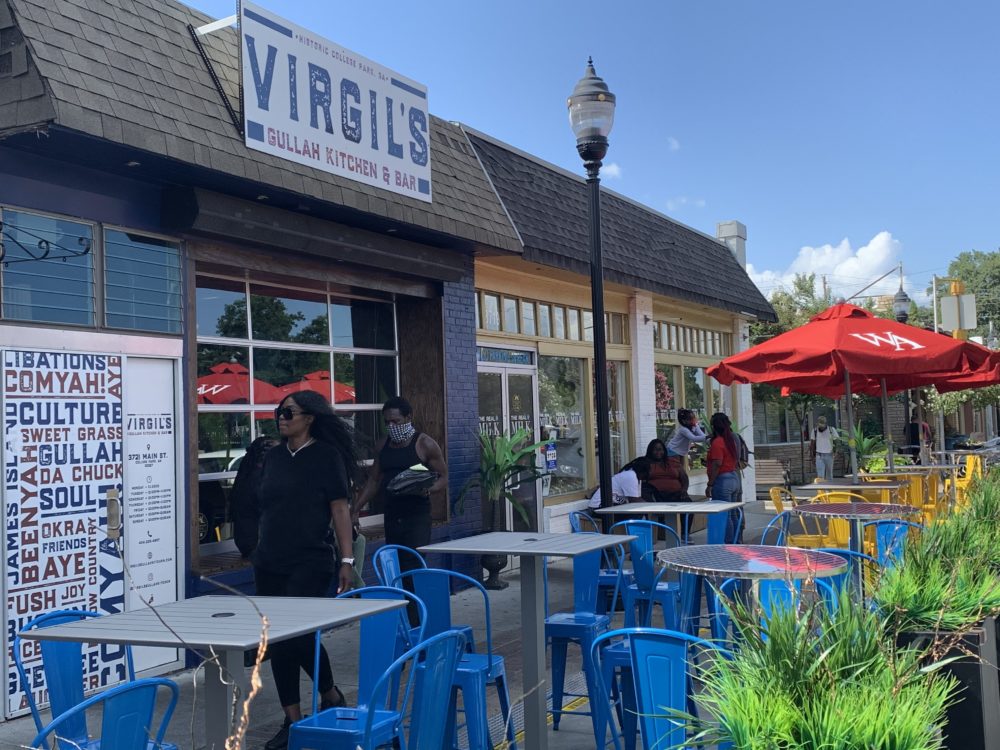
(187, 727)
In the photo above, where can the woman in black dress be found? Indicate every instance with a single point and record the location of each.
(305, 488)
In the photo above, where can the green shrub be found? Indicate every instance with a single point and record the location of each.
(807, 679)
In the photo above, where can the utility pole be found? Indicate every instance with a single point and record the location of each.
(940, 412)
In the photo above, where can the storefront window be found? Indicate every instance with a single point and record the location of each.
(666, 403)
(618, 413)
(48, 269)
(291, 341)
(142, 282)
(221, 308)
(544, 321)
(510, 315)
(558, 322)
(588, 325)
(300, 319)
(573, 324)
(491, 312)
(694, 399)
(562, 404)
(362, 324)
(528, 318)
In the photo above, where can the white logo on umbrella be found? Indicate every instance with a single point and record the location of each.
(890, 338)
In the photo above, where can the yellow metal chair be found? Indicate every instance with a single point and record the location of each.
(972, 471)
(810, 540)
(838, 530)
(875, 494)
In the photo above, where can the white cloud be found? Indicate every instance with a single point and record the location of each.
(847, 269)
(673, 144)
(612, 171)
(682, 201)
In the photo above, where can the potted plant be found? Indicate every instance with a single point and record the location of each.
(944, 599)
(505, 461)
(809, 677)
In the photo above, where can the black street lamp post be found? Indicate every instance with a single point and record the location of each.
(591, 115)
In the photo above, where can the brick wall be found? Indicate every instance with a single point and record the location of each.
(461, 411)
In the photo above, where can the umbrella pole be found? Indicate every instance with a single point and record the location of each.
(889, 449)
(850, 432)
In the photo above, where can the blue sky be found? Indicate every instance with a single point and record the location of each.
(848, 136)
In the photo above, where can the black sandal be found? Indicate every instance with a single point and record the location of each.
(337, 702)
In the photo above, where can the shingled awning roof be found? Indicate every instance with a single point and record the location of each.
(643, 249)
(127, 72)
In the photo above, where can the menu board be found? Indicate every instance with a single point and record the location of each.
(62, 455)
(149, 499)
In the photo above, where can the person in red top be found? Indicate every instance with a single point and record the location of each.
(724, 481)
(666, 479)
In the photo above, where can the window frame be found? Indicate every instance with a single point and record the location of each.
(98, 253)
(249, 343)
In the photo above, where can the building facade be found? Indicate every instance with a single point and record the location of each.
(163, 287)
(676, 302)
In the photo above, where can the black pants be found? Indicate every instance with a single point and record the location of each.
(287, 657)
(408, 524)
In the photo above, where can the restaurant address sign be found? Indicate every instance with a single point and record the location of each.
(311, 101)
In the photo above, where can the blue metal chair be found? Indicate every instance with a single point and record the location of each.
(62, 665)
(126, 721)
(377, 631)
(580, 521)
(770, 593)
(581, 626)
(476, 670)
(776, 531)
(858, 566)
(387, 563)
(610, 573)
(655, 683)
(376, 721)
(725, 528)
(647, 589)
(890, 539)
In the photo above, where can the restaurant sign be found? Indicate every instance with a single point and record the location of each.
(314, 102)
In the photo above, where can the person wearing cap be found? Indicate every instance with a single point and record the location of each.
(821, 448)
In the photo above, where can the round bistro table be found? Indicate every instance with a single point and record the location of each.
(857, 514)
(755, 562)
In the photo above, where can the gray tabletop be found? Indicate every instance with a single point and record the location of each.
(528, 543)
(225, 622)
(856, 511)
(847, 485)
(644, 509)
(915, 469)
(752, 561)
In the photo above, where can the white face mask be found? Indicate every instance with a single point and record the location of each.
(400, 433)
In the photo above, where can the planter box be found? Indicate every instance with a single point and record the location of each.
(974, 719)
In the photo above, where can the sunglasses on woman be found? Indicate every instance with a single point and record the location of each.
(287, 413)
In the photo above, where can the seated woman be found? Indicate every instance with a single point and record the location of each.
(625, 485)
(666, 478)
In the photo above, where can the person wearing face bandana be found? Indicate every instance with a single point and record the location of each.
(407, 518)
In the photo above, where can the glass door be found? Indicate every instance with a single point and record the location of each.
(507, 403)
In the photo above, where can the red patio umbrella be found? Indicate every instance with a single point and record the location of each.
(846, 349)
(311, 381)
(229, 383)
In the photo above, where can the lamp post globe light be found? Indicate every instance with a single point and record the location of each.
(901, 305)
(591, 115)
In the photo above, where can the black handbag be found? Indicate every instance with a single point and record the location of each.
(411, 482)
